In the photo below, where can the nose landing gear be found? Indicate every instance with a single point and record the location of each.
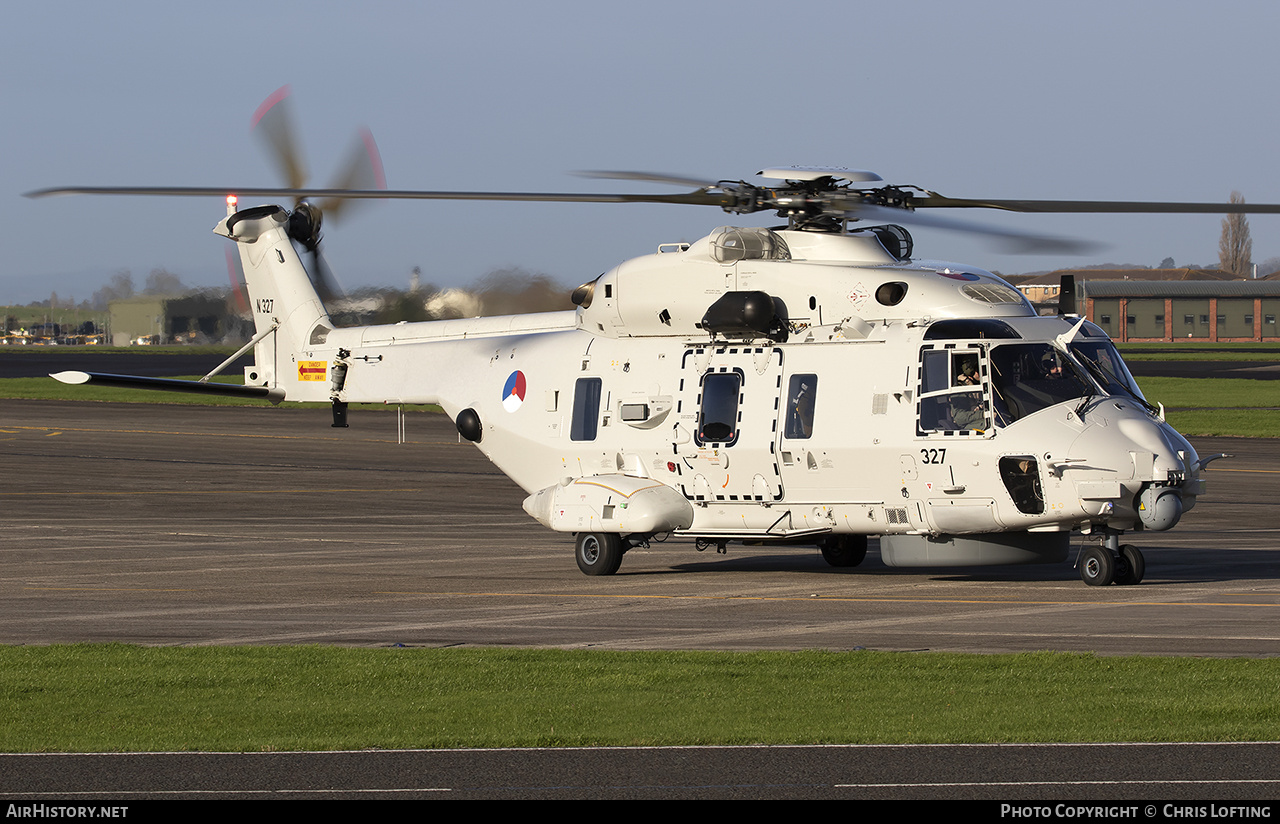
(1112, 563)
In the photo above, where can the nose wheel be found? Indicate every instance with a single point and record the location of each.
(1135, 566)
(1102, 565)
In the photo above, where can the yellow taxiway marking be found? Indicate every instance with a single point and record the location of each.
(810, 598)
(828, 598)
(106, 589)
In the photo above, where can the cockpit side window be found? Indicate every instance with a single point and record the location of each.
(954, 396)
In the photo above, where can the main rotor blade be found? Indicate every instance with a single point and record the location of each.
(701, 197)
(689, 198)
(655, 178)
(934, 200)
(1011, 240)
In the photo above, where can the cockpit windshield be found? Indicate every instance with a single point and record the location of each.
(1028, 377)
(1102, 359)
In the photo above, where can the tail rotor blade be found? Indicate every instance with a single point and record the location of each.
(236, 275)
(326, 282)
(273, 122)
(363, 170)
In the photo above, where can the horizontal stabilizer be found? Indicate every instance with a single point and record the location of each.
(273, 394)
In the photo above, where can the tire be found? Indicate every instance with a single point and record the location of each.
(598, 553)
(1097, 567)
(1135, 565)
(843, 550)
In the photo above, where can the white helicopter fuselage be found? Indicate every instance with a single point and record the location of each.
(765, 385)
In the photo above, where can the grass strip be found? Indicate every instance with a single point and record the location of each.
(72, 352)
(1228, 407)
(1211, 393)
(51, 390)
(1226, 423)
(108, 698)
(1191, 351)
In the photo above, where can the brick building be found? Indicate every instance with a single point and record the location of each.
(1132, 310)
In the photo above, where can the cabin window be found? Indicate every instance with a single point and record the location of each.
(801, 394)
(718, 415)
(586, 409)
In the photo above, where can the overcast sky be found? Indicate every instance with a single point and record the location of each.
(1099, 100)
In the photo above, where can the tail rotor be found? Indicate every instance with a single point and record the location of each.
(274, 122)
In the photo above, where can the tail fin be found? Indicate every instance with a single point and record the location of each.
(288, 315)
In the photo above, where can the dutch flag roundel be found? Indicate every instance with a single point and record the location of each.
(514, 391)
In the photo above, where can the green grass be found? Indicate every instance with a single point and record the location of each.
(1166, 351)
(1211, 393)
(73, 352)
(125, 698)
(50, 389)
(1235, 407)
(1226, 423)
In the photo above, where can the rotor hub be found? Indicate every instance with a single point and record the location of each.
(304, 225)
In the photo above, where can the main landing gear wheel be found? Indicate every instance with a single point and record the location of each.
(1135, 566)
(1097, 566)
(599, 553)
(843, 550)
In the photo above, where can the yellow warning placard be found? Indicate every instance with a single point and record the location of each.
(311, 370)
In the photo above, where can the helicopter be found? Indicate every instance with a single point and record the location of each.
(812, 383)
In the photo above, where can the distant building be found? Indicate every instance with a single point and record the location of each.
(1238, 310)
(1045, 288)
(1167, 304)
(192, 319)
